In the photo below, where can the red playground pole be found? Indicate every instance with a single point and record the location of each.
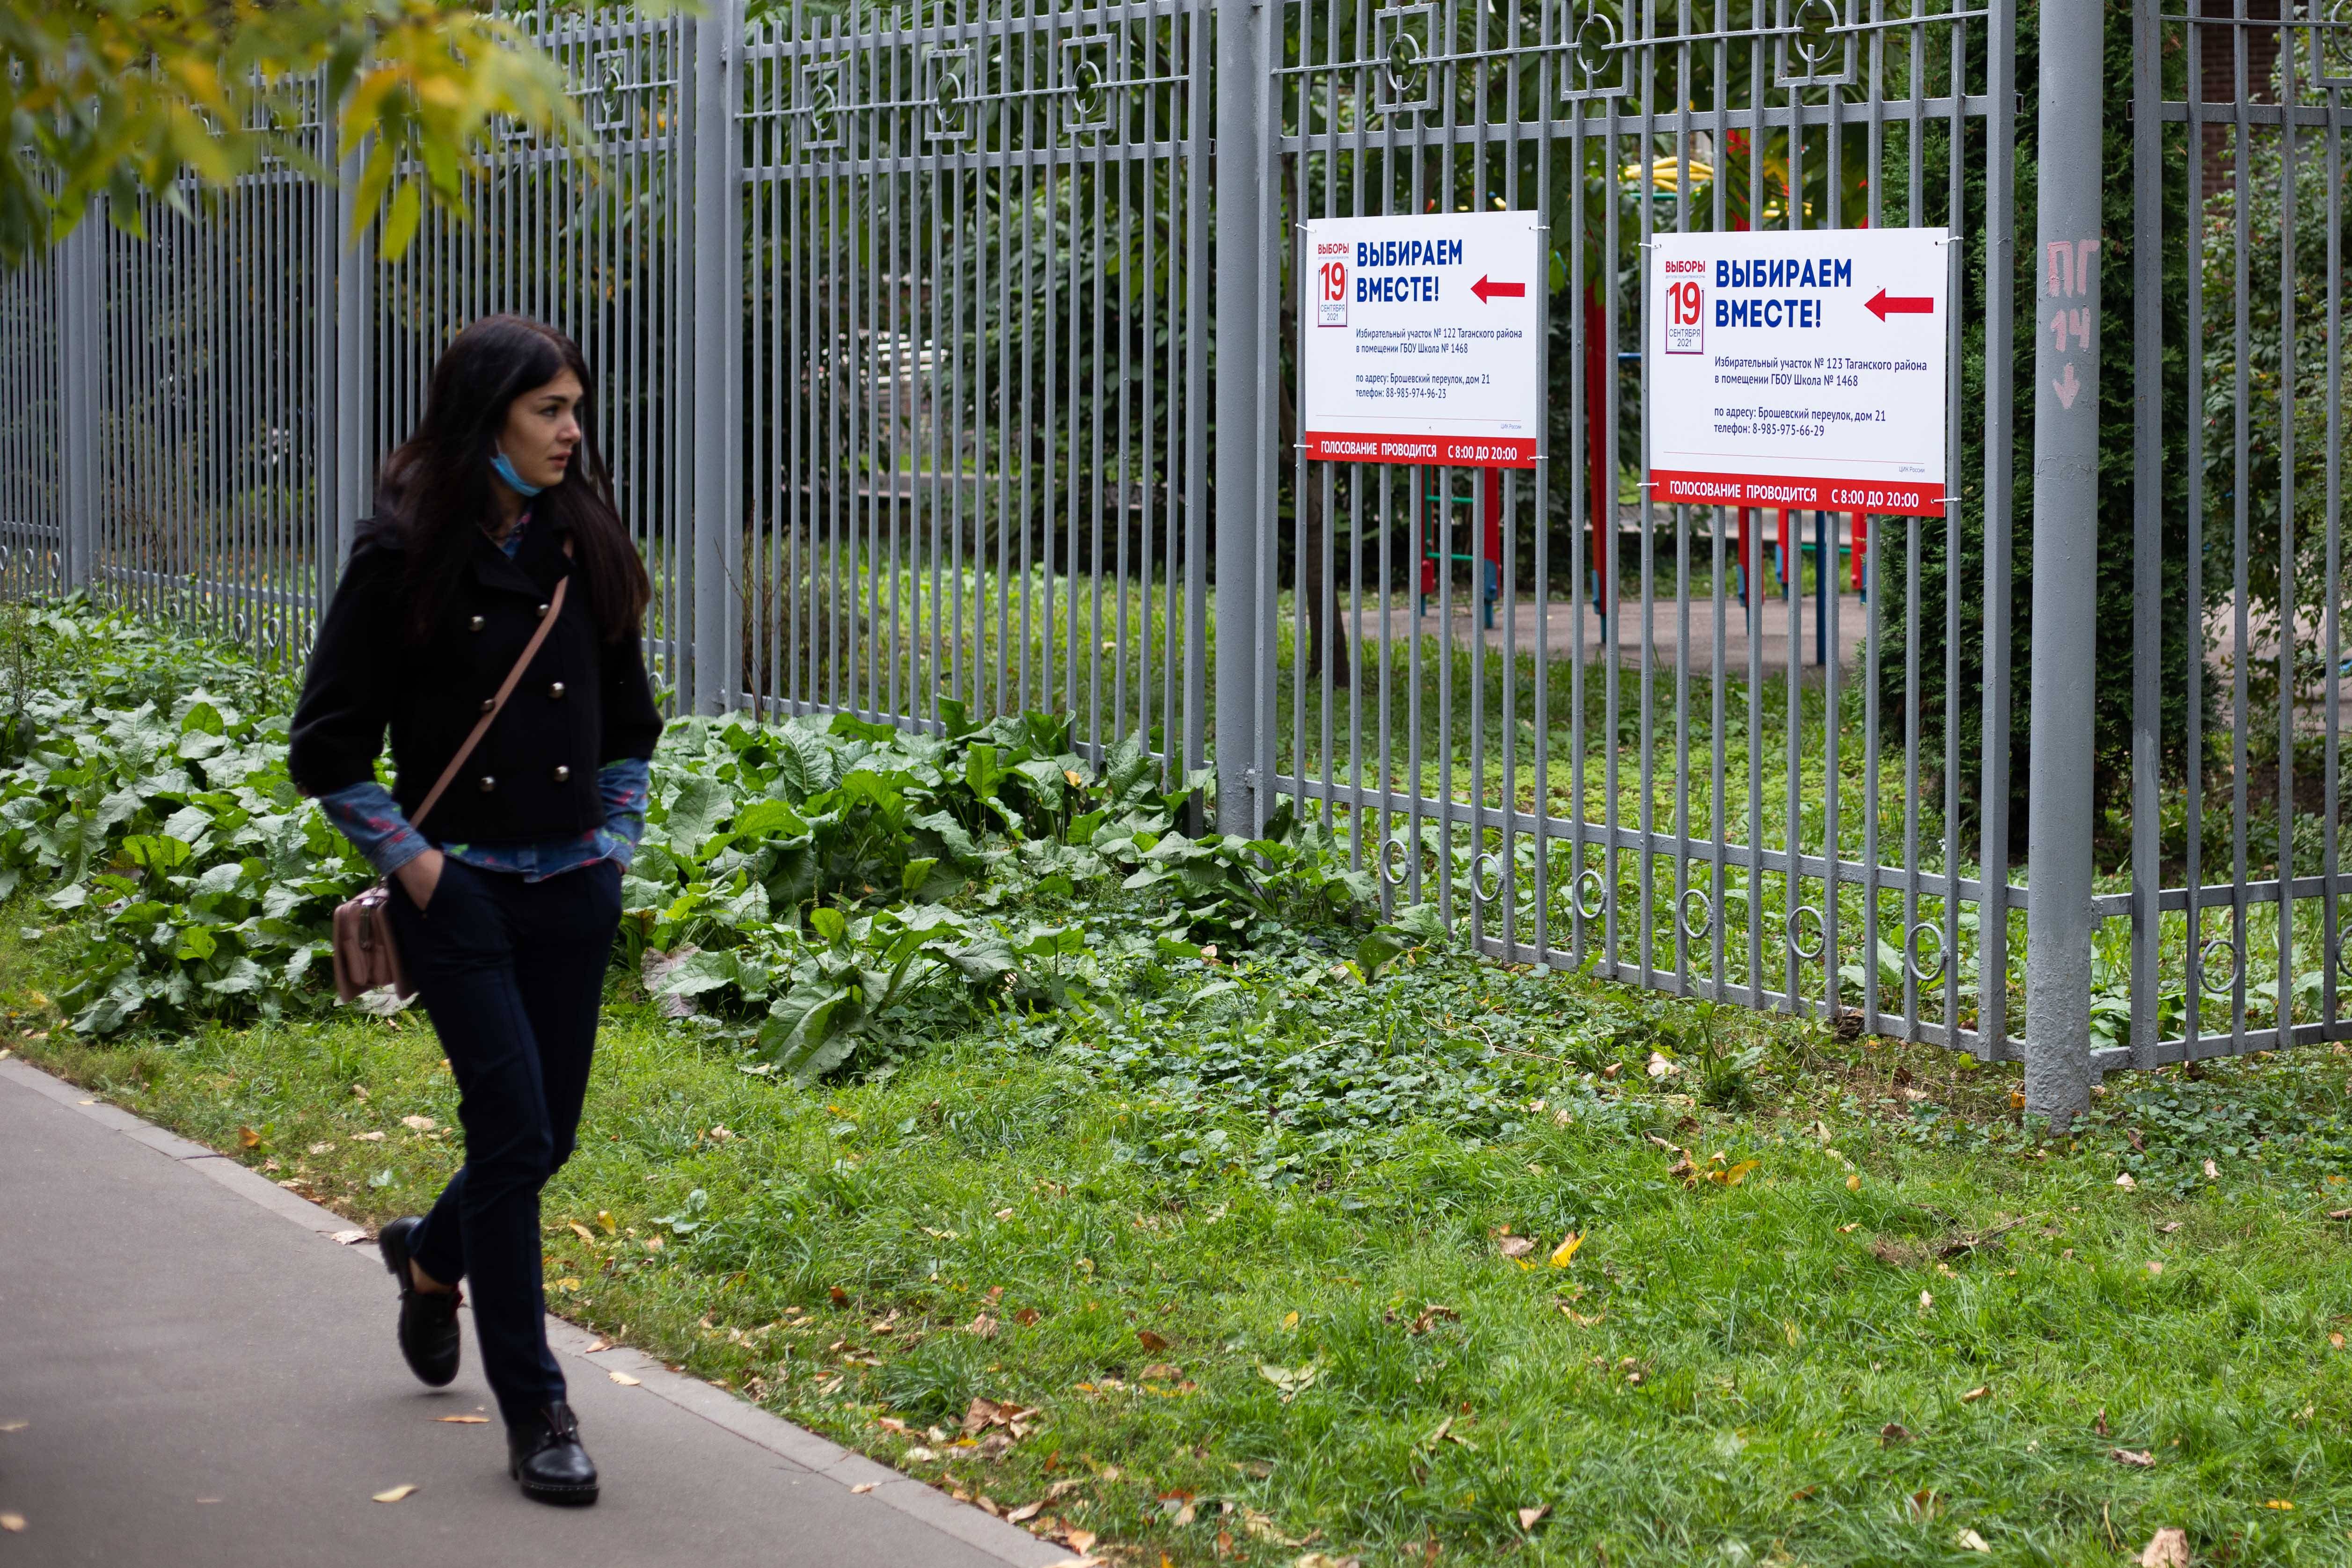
(1861, 544)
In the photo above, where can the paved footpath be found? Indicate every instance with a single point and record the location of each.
(193, 1372)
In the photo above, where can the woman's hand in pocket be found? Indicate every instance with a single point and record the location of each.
(420, 876)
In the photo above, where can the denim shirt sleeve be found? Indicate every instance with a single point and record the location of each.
(624, 785)
(366, 814)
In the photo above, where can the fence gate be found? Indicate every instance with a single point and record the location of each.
(922, 330)
(1596, 728)
(2227, 935)
(975, 349)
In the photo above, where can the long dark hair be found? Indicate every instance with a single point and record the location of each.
(434, 491)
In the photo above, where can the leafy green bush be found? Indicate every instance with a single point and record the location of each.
(809, 888)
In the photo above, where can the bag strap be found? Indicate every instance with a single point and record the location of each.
(506, 689)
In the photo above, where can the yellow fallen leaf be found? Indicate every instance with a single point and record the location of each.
(2167, 1548)
(2124, 1181)
(862, 1487)
(394, 1495)
(1563, 1254)
(1290, 1320)
(605, 1222)
(584, 1232)
(624, 1379)
(1970, 1540)
(1853, 1184)
(1026, 1511)
(2154, 1267)
(2279, 1502)
(464, 1420)
(567, 1283)
(419, 1124)
(13, 1523)
(246, 1136)
(1530, 1517)
(1973, 1394)
(14, 1426)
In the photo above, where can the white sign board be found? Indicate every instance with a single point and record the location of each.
(1800, 370)
(1422, 340)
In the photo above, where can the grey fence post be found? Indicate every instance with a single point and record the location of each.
(1243, 136)
(2066, 564)
(715, 520)
(80, 259)
(353, 274)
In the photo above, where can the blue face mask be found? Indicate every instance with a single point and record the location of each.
(506, 471)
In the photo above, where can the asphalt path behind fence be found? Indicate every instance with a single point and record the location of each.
(193, 1370)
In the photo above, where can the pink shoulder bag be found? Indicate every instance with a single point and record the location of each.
(366, 956)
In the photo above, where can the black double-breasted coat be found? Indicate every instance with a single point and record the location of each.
(583, 701)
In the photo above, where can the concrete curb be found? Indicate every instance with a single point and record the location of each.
(801, 1448)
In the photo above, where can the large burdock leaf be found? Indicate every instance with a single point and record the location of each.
(701, 804)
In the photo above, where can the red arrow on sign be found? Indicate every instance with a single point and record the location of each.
(1883, 305)
(1486, 291)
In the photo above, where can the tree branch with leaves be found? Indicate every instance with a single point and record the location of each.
(127, 101)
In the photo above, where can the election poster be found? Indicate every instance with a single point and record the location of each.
(1800, 370)
(1424, 340)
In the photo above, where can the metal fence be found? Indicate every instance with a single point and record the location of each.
(946, 355)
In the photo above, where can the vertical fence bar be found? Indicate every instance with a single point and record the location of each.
(2065, 565)
(2147, 502)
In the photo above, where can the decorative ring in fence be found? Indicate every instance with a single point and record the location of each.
(2205, 959)
(1600, 889)
(1821, 927)
(1396, 862)
(1682, 913)
(1911, 953)
(1479, 877)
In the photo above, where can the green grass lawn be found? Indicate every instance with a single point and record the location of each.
(1248, 1254)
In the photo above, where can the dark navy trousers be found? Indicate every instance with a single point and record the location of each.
(513, 975)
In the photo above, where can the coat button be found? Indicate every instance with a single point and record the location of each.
(542, 612)
(489, 703)
(488, 784)
(475, 624)
(556, 690)
(561, 773)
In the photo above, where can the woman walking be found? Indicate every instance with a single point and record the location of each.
(496, 579)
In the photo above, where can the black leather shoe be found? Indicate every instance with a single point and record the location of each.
(428, 1318)
(544, 1454)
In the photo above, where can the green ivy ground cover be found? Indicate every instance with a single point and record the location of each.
(1238, 1255)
